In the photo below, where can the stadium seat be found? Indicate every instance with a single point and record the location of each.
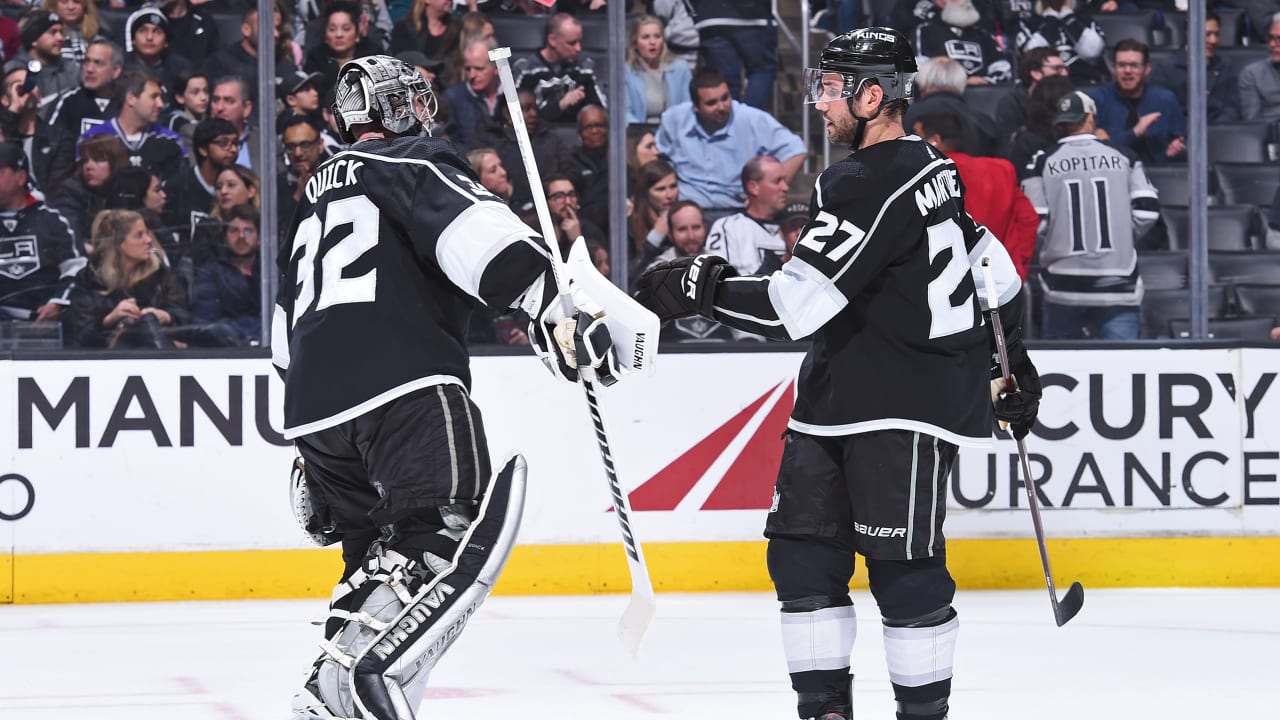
(1247, 183)
(1163, 269)
(1230, 19)
(1174, 33)
(983, 99)
(1173, 182)
(1238, 328)
(521, 33)
(1159, 307)
(1166, 56)
(1258, 299)
(595, 32)
(1117, 26)
(228, 25)
(1231, 227)
(112, 22)
(1238, 143)
(1251, 267)
(1244, 55)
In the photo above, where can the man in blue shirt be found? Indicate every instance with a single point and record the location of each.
(1147, 119)
(709, 139)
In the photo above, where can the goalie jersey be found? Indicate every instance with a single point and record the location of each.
(884, 282)
(394, 242)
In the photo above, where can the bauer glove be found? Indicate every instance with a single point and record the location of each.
(684, 287)
(1019, 405)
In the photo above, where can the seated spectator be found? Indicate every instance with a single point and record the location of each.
(80, 197)
(192, 29)
(1078, 39)
(548, 151)
(471, 25)
(562, 203)
(656, 79)
(342, 41)
(991, 193)
(493, 176)
(1223, 85)
(192, 194)
(1011, 112)
(39, 255)
(127, 296)
(940, 88)
(1039, 133)
(236, 185)
(190, 105)
(740, 38)
(791, 222)
(954, 33)
(429, 28)
(431, 69)
(1145, 118)
(688, 238)
(304, 151)
(588, 165)
(231, 101)
(240, 58)
(140, 190)
(1260, 82)
(94, 101)
(151, 145)
(227, 295)
(747, 238)
(561, 85)
(146, 47)
(300, 95)
(80, 24)
(642, 148)
(1089, 273)
(50, 152)
(42, 34)
(474, 101)
(657, 189)
(709, 139)
(308, 23)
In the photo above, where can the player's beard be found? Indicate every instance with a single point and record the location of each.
(960, 14)
(843, 130)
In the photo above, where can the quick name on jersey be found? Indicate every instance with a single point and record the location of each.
(1078, 163)
(328, 177)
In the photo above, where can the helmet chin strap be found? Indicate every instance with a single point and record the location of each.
(862, 122)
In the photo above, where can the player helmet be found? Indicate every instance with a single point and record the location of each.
(382, 90)
(851, 59)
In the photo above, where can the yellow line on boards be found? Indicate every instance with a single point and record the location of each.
(674, 567)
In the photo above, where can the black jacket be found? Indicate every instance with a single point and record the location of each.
(90, 304)
(49, 150)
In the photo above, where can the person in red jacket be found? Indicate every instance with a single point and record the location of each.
(991, 193)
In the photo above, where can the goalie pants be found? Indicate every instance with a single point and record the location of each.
(392, 467)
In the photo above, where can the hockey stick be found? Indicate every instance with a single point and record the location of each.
(1071, 603)
(639, 612)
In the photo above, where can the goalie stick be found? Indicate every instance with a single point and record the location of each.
(640, 609)
(1065, 609)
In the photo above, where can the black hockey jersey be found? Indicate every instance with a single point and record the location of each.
(882, 280)
(39, 256)
(973, 48)
(394, 242)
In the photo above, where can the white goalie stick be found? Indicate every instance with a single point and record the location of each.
(640, 609)
(1065, 609)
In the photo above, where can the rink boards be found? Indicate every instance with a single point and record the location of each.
(165, 479)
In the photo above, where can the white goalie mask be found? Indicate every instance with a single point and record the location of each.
(382, 90)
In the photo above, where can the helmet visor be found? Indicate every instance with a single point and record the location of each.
(824, 86)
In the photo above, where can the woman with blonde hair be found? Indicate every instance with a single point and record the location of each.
(493, 176)
(126, 297)
(80, 24)
(233, 186)
(655, 192)
(428, 28)
(656, 79)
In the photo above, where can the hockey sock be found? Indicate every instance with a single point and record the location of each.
(919, 652)
(817, 637)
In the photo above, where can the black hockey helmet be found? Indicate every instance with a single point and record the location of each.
(857, 56)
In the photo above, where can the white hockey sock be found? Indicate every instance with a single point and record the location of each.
(819, 639)
(918, 656)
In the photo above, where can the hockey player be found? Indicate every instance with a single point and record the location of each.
(884, 282)
(394, 242)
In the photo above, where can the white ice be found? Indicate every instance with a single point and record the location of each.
(1189, 654)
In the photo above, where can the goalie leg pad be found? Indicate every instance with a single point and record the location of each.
(400, 614)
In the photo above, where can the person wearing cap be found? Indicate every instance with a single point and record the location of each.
(300, 94)
(93, 102)
(151, 145)
(1146, 118)
(146, 46)
(791, 221)
(474, 101)
(562, 82)
(49, 150)
(746, 239)
(42, 35)
(191, 29)
(1094, 202)
(39, 254)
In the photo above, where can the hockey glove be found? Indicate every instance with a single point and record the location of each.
(684, 287)
(577, 346)
(1019, 405)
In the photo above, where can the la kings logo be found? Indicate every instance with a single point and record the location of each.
(19, 256)
(968, 54)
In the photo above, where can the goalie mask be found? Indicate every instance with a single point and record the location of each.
(852, 59)
(381, 90)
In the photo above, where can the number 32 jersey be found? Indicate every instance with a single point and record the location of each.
(394, 243)
(884, 280)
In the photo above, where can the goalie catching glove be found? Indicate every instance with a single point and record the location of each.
(683, 287)
(1019, 405)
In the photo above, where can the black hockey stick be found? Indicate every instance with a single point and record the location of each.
(640, 610)
(1065, 609)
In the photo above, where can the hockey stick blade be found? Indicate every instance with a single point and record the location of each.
(1070, 604)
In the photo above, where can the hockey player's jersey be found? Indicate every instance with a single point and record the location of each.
(394, 242)
(39, 256)
(1094, 200)
(744, 241)
(883, 280)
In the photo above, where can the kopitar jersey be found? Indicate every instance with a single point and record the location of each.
(393, 244)
(884, 282)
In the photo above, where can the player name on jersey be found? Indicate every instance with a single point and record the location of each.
(1078, 163)
(937, 190)
(338, 175)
